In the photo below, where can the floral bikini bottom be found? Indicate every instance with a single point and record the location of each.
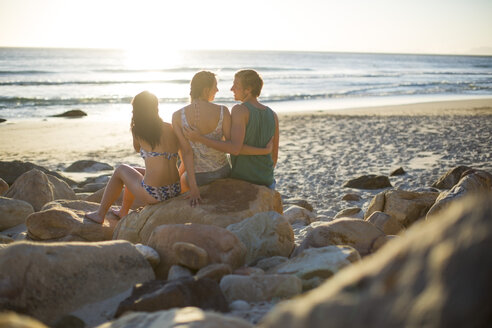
(164, 192)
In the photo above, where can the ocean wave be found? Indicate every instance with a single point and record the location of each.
(187, 69)
(24, 72)
(54, 83)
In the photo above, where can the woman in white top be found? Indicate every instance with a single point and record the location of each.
(203, 164)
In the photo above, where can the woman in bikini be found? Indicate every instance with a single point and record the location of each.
(158, 146)
(200, 164)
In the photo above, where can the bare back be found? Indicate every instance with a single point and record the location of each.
(161, 170)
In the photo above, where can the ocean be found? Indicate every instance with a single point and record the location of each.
(36, 83)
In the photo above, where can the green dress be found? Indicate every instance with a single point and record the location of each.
(257, 169)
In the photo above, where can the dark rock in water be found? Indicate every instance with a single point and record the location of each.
(398, 171)
(436, 275)
(370, 181)
(2, 120)
(71, 113)
(450, 178)
(88, 166)
(10, 171)
(159, 295)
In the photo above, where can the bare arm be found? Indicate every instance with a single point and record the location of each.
(187, 155)
(234, 129)
(276, 138)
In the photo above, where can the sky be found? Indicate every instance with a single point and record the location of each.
(382, 26)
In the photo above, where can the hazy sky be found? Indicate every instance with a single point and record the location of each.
(407, 26)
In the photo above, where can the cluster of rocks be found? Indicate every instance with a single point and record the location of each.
(229, 261)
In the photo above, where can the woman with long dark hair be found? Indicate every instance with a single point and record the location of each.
(158, 146)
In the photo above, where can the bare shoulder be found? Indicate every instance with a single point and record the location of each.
(239, 109)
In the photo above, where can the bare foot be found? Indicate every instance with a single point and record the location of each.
(93, 216)
(118, 213)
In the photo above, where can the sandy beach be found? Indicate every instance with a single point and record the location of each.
(319, 151)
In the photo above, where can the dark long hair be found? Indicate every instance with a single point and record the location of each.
(201, 81)
(146, 123)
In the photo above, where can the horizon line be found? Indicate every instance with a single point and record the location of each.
(488, 54)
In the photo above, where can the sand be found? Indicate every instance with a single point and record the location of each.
(319, 150)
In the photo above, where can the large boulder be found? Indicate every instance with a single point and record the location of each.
(224, 202)
(472, 182)
(13, 212)
(405, 206)
(64, 220)
(385, 222)
(450, 178)
(10, 171)
(357, 233)
(50, 280)
(264, 235)
(436, 275)
(314, 265)
(160, 295)
(260, 287)
(189, 317)
(221, 245)
(38, 188)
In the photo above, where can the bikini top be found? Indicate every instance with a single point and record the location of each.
(146, 154)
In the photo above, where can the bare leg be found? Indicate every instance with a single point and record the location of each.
(123, 175)
(128, 198)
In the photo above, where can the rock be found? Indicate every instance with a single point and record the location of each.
(160, 295)
(2, 120)
(351, 198)
(271, 262)
(398, 171)
(381, 241)
(13, 212)
(345, 231)
(214, 271)
(149, 254)
(413, 283)
(370, 181)
(14, 320)
(4, 186)
(64, 221)
(385, 222)
(17, 233)
(351, 212)
(239, 305)
(71, 113)
(405, 206)
(69, 321)
(189, 317)
(224, 202)
(90, 188)
(179, 272)
(50, 280)
(221, 245)
(314, 265)
(299, 202)
(248, 271)
(450, 178)
(5, 239)
(472, 182)
(88, 166)
(10, 171)
(299, 214)
(38, 188)
(258, 288)
(264, 235)
(190, 255)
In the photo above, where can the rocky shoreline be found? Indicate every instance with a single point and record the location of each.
(378, 220)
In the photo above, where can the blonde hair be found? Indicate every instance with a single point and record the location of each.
(201, 81)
